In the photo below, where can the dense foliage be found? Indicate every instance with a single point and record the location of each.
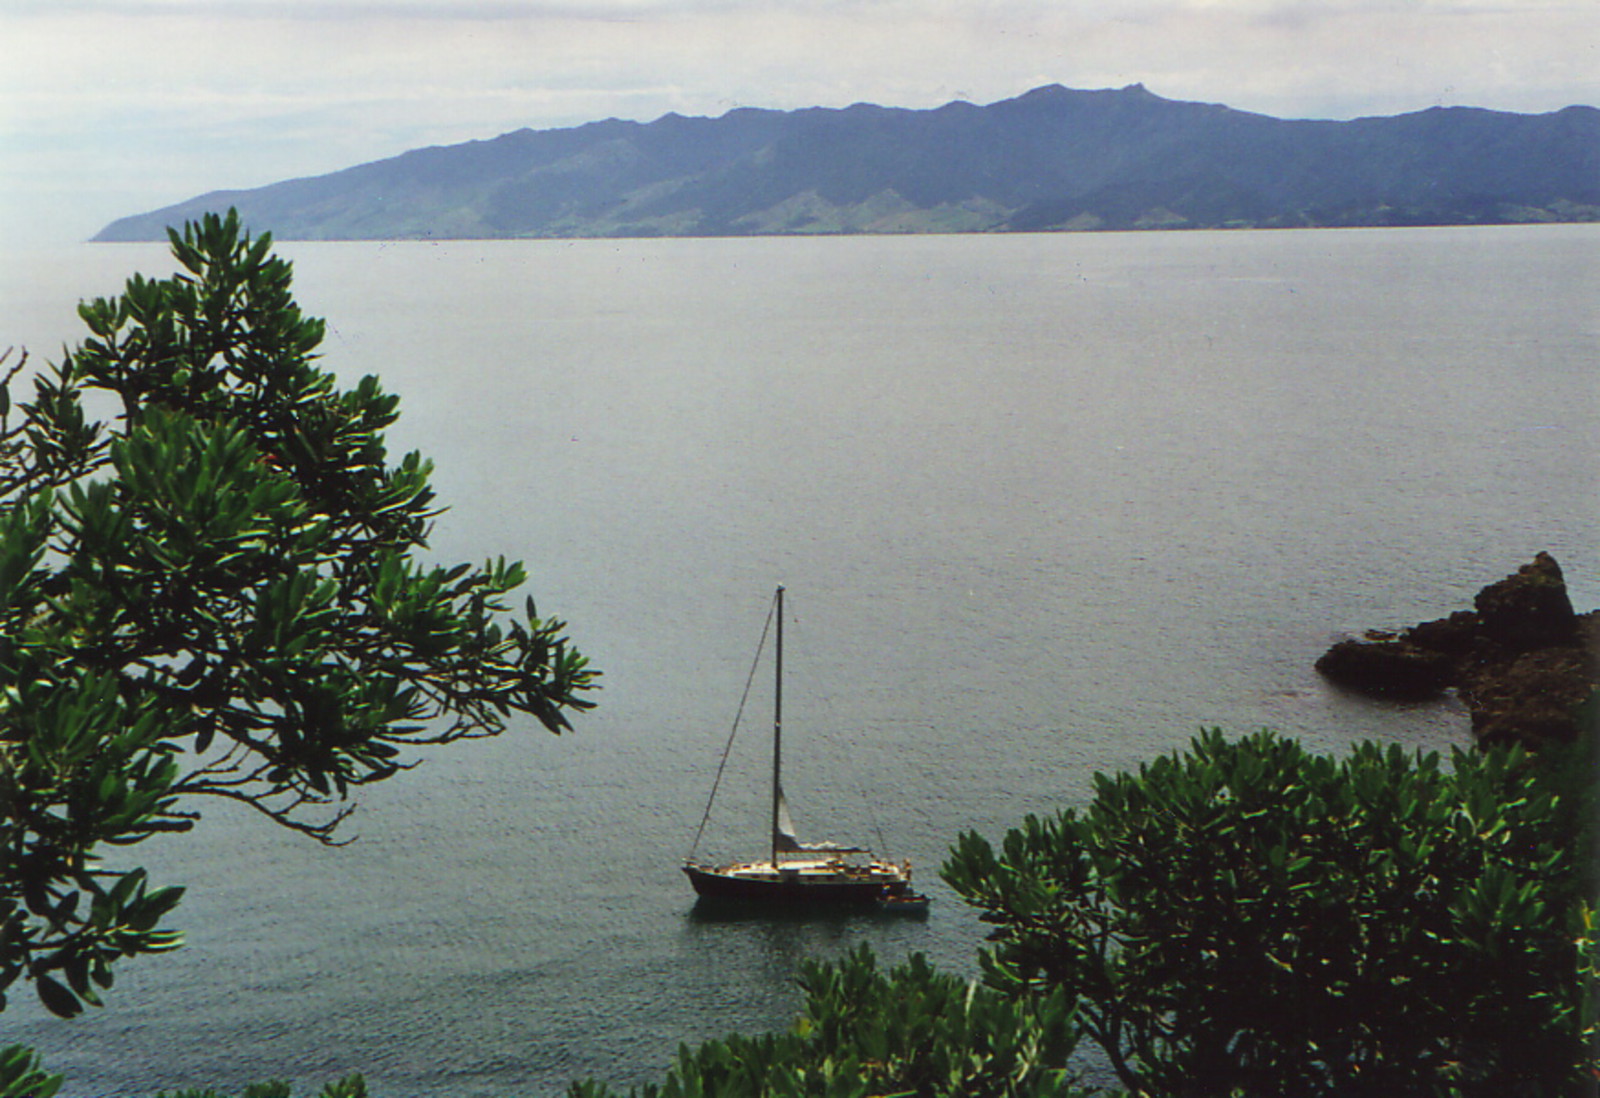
(1248, 918)
(217, 591)
(864, 1033)
(351, 1086)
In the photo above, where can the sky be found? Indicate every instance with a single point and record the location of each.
(114, 107)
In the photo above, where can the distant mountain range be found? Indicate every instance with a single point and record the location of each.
(1053, 159)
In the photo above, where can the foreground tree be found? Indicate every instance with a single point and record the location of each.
(218, 592)
(1249, 919)
(866, 1034)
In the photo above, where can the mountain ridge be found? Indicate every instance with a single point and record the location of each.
(1051, 159)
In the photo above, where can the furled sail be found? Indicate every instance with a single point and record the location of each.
(787, 841)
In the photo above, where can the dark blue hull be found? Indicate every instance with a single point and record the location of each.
(791, 890)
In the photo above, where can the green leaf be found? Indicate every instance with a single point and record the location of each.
(22, 1074)
(56, 998)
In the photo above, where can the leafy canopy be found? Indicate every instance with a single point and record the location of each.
(219, 590)
(1247, 918)
(867, 1033)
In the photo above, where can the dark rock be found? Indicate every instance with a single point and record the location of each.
(1534, 699)
(1387, 668)
(1455, 636)
(1522, 661)
(1529, 610)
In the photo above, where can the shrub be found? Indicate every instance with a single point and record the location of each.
(1248, 918)
(864, 1033)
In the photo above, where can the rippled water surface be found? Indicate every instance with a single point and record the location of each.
(1044, 504)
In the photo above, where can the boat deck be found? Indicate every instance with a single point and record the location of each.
(822, 869)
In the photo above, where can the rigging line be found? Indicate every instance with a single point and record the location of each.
(722, 765)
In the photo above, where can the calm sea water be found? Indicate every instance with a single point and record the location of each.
(1045, 505)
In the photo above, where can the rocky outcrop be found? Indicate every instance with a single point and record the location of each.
(1388, 666)
(1521, 659)
(1529, 610)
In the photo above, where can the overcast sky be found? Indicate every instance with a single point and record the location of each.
(112, 107)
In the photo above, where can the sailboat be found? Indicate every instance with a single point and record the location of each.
(799, 874)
